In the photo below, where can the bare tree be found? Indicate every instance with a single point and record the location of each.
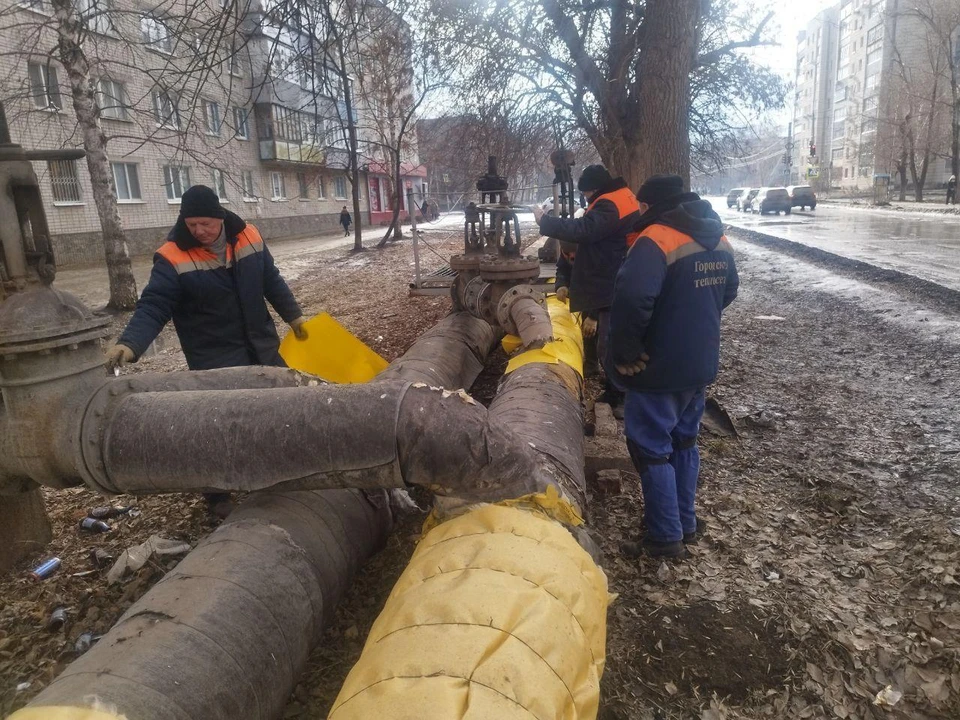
(633, 75)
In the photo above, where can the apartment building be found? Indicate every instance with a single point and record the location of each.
(813, 100)
(234, 95)
(872, 53)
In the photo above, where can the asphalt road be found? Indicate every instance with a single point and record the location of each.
(926, 245)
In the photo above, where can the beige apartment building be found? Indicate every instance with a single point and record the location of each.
(846, 82)
(234, 95)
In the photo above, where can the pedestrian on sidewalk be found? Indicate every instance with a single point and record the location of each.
(345, 220)
(952, 190)
(601, 239)
(213, 277)
(664, 350)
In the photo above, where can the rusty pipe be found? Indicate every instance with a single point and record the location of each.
(272, 594)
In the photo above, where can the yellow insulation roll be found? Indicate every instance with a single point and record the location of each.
(499, 615)
(63, 713)
(566, 347)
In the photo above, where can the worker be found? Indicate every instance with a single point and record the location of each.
(664, 350)
(211, 278)
(601, 239)
(345, 220)
(952, 190)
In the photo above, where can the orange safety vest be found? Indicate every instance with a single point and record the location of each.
(199, 258)
(626, 204)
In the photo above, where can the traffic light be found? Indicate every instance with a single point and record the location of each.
(813, 149)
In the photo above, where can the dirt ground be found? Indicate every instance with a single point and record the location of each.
(830, 563)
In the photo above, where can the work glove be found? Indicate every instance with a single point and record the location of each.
(117, 356)
(589, 327)
(538, 213)
(298, 328)
(563, 293)
(634, 368)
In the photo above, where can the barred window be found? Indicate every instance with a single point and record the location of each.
(95, 15)
(126, 178)
(64, 181)
(176, 180)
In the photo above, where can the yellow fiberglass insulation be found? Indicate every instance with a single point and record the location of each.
(499, 615)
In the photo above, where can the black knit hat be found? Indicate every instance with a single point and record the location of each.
(658, 188)
(201, 201)
(594, 177)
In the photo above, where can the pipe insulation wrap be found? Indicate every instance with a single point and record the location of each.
(566, 346)
(533, 322)
(67, 713)
(226, 632)
(500, 614)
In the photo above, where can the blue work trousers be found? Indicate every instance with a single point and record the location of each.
(662, 431)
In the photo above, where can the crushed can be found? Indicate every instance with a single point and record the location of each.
(57, 619)
(92, 525)
(85, 642)
(45, 569)
(108, 511)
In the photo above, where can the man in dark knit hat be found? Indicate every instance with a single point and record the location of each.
(213, 278)
(664, 350)
(601, 240)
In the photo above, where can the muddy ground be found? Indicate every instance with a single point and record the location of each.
(829, 569)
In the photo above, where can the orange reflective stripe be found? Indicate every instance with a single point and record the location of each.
(666, 238)
(624, 200)
(188, 260)
(248, 243)
(632, 238)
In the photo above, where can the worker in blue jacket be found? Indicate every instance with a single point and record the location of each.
(213, 278)
(664, 349)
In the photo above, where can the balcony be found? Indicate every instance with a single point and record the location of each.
(288, 136)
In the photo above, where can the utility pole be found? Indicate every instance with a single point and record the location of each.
(788, 155)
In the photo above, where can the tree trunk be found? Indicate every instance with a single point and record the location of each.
(667, 57)
(123, 286)
(902, 171)
(625, 161)
(353, 149)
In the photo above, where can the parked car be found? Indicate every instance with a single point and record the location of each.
(733, 195)
(773, 200)
(802, 196)
(745, 201)
(547, 206)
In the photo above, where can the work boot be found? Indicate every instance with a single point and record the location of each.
(653, 548)
(694, 537)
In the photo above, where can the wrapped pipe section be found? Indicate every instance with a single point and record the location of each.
(501, 612)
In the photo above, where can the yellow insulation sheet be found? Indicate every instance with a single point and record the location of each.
(63, 713)
(331, 352)
(567, 346)
(499, 615)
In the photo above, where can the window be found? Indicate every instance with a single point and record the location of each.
(126, 178)
(40, 6)
(233, 63)
(875, 34)
(219, 184)
(249, 191)
(44, 86)
(211, 117)
(112, 99)
(94, 14)
(64, 181)
(836, 154)
(176, 179)
(870, 105)
(165, 109)
(155, 34)
(869, 126)
(241, 123)
(278, 187)
(340, 187)
(321, 190)
(303, 186)
(839, 129)
(839, 114)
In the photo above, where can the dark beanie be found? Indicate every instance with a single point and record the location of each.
(594, 177)
(201, 201)
(658, 188)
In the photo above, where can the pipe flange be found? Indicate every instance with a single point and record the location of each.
(93, 429)
(515, 269)
(509, 298)
(466, 263)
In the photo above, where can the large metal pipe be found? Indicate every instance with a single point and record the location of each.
(194, 647)
(500, 613)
